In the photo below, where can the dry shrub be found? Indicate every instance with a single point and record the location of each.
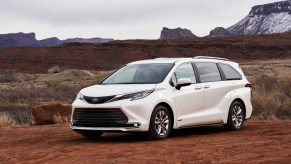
(272, 97)
(31, 96)
(6, 77)
(6, 121)
(264, 106)
(58, 119)
(21, 100)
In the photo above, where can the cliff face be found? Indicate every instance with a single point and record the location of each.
(262, 19)
(17, 40)
(177, 33)
(265, 19)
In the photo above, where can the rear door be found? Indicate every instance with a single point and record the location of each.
(189, 99)
(232, 75)
(216, 95)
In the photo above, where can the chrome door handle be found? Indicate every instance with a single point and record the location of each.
(198, 87)
(206, 86)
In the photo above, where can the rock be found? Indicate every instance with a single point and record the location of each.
(177, 33)
(54, 69)
(219, 32)
(48, 113)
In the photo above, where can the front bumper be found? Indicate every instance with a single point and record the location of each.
(138, 113)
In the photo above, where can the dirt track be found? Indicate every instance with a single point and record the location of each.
(259, 141)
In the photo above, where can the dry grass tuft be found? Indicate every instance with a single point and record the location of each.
(6, 121)
(58, 119)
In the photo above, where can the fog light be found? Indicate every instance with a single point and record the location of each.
(136, 125)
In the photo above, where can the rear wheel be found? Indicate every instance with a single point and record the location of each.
(236, 116)
(90, 134)
(160, 123)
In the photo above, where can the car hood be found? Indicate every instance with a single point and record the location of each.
(115, 89)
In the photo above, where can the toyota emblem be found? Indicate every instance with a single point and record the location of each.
(95, 99)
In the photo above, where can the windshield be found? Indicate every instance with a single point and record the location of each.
(152, 73)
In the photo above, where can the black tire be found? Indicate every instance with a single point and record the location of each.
(162, 129)
(90, 134)
(236, 116)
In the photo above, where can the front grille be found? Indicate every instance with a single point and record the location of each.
(97, 100)
(99, 117)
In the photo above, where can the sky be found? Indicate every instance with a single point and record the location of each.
(119, 19)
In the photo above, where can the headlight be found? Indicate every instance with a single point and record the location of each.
(138, 95)
(80, 96)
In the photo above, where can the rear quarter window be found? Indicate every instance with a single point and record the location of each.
(229, 72)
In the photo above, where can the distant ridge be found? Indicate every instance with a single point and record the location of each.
(28, 39)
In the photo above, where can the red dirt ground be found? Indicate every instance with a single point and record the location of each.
(259, 141)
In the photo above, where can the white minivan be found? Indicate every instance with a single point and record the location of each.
(157, 95)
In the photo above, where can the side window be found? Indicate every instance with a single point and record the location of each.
(208, 72)
(230, 73)
(185, 71)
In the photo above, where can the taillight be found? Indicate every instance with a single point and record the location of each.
(248, 85)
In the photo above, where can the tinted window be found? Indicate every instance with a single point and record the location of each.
(208, 72)
(139, 74)
(185, 71)
(229, 72)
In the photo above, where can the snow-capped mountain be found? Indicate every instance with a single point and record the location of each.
(265, 19)
(262, 19)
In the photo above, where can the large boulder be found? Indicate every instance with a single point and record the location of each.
(51, 113)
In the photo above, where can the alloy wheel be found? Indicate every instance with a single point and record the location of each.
(162, 123)
(237, 115)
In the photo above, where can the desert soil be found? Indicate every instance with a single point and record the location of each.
(259, 141)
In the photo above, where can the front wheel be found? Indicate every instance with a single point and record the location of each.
(160, 123)
(236, 116)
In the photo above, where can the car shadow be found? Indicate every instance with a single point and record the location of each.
(199, 130)
(139, 137)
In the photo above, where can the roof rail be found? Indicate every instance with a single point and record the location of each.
(210, 57)
(162, 58)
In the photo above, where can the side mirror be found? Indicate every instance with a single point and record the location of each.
(183, 82)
